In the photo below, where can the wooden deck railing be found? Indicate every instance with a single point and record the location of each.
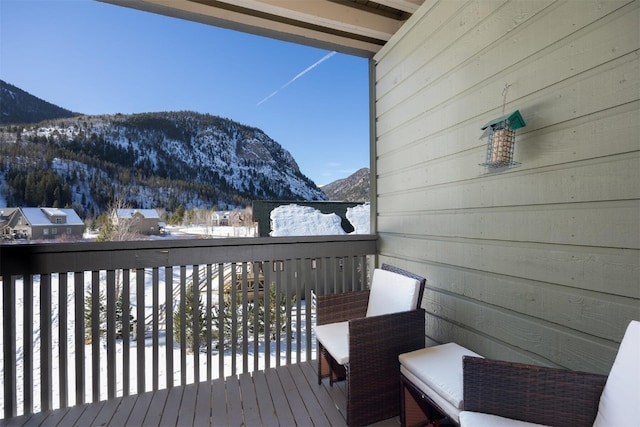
(84, 322)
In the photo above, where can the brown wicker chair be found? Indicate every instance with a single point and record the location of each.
(531, 393)
(554, 397)
(372, 371)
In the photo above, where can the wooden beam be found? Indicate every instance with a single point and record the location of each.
(321, 13)
(409, 6)
(259, 25)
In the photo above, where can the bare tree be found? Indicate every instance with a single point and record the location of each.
(118, 227)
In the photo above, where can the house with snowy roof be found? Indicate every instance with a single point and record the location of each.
(40, 223)
(141, 221)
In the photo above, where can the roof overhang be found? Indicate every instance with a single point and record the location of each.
(357, 27)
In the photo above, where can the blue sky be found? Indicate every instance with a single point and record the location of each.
(97, 58)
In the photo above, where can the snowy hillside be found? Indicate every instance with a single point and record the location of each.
(154, 160)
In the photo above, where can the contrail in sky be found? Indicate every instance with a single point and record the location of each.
(327, 56)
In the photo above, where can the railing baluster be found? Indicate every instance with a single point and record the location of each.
(183, 323)
(45, 342)
(95, 335)
(195, 280)
(308, 303)
(209, 305)
(266, 274)
(234, 317)
(168, 307)
(111, 334)
(78, 296)
(126, 331)
(256, 313)
(288, 282)
(140, 330)
(63, 356)
(221, 308)
(27, 343)
(278, 295)
(245, 320)
(299, 274)
(155, 329)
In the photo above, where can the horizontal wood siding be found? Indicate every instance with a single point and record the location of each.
(539, 263)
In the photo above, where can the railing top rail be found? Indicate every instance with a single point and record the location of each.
(42, 258)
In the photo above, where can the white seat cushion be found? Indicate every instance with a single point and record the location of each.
(392, 293)
(620, 399)
(334, 337)
(440, 368)
(442, 403)
(477, 419)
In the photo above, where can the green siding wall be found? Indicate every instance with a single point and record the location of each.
(539, 263)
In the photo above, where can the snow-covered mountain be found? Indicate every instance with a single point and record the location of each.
(152, 160)
(354, 188)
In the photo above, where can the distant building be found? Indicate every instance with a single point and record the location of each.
(141, 221)
(40, 223)
(221, 218)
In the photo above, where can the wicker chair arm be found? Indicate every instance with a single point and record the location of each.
(531, 393)
(341, 307)
(374, 371)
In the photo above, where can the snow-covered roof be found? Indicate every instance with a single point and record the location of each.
(146, 213)
(43, 216)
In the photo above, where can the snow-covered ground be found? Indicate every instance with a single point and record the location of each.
(289, 220)
(295, 220)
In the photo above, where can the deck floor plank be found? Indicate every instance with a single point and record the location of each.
(35, 419)
(72, 414)
(140, 409)
(292, 394)
(106, 413)
(249, 400)
(188, 406)
(54, 417)
(156, 408)
(172, 407)
(219, 402)
(234, 402)
(265, 401)
(321, 392)
(90, 413)
(202, 415)
(124, 410)
(279, 398)
(316, 412)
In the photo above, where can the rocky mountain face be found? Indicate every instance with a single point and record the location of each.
(151, 160)
(354, 188)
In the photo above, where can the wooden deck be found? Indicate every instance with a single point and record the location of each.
(284, 396)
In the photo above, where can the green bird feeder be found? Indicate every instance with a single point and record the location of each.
(502, 138)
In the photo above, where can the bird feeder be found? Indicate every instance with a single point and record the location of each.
(502, 138)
